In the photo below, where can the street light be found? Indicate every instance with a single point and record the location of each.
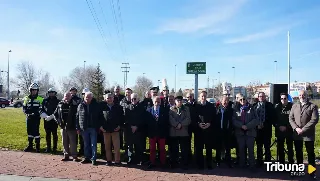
(275, 71)
(143, 74)
(219, 84)
(234, 79)
(213, 86)
(84, 65)
(175, 78)
(8, 82)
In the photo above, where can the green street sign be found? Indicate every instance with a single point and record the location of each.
(196, 67)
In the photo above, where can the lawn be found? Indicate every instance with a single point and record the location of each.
(13, 134)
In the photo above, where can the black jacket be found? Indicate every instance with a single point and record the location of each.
(270, 117)
(158, 127)
(207, 114)
(49, 105)
(65, 115)
(135, 116)
(117, 98)
(91, 119)
(227, 124)
(112, 117)
(147, 103)
(282, 118)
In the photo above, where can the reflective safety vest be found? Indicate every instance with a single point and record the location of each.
(32, 105)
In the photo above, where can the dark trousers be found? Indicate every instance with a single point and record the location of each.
(298, 145)
(200, 141)
(51, 129)
(238, 153)
(135, 145)
(263, 139)
(189, 144)
(281, 151)
(183, 143)
(223, 143)
(33, 131)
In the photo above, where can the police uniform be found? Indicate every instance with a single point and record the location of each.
(49, 105)
(32, 108)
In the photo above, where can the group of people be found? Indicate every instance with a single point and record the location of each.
(126, 122)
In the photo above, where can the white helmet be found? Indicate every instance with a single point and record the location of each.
(34, 86)
(85, 90)
(52, 90)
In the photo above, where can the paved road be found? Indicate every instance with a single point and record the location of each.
(50, 166)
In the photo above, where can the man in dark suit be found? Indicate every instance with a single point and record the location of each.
(204, 131)
(303, 119)
(223, 130)
(284, 132)
(191, 104)
(266, 117)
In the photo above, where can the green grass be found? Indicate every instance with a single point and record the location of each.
(13, 134)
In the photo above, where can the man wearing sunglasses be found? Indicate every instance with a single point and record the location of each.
(303, 119)
(284, 132)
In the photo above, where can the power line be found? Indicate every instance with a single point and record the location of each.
(98, 24)
(115, 19)
(121, 26)
(104, 17)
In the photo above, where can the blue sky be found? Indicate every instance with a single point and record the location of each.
(248, 34)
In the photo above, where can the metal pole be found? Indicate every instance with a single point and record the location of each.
(84, 65)
(275, 72)
(219, 85)
(175, 78)
(234, 79)
(8, 82)
(289, 62)
(208, 85)
(196, 87)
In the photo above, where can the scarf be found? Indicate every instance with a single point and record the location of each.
(243, 111)
(261, 110)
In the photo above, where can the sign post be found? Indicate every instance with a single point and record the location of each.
(196, 68)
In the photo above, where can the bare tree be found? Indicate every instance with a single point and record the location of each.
(78, 78)
(45, 82)
(143, 84)
(251, 87)
(26, 75)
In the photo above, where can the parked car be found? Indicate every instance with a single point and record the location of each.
(4, 102)
(17, 104)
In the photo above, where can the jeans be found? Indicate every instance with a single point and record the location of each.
(90, 143)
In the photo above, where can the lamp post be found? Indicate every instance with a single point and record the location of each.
(275, 71)
(289, 66)
(219, 85)
(234, 79)
(143, 74)
(8, 82)
(175, 78)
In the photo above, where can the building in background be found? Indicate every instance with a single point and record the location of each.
(240, 89)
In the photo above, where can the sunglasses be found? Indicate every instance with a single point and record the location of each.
(283, 98)
(242, 99)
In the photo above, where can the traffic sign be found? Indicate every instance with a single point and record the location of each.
(196, 67)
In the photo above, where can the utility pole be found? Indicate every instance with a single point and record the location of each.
(8, 79)
(289, 66)
(125, 71)
(275, 71)
(175, 78)
(208, 84)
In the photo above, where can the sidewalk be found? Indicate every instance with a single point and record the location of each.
(23, 178)
(50, 166)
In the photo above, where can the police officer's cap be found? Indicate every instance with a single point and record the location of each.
(73, 89)
(154, 89)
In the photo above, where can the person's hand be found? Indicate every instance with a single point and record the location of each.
(244, 127)
(134, 129)
(117, 129)
(260, 126)
(103, 130)
(282, 128)
(178, 126)
(299, 131)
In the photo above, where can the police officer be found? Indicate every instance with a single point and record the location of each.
(75, 100)
(49, 105)
(32, 108)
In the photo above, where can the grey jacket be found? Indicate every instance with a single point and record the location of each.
(251, 122)
(183, 118)
(305, 117)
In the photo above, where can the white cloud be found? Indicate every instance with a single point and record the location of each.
(210, 18)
